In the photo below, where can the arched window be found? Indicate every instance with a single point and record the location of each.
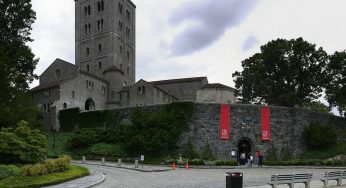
(64, 105)
(86, 11)
(88, 68)
(100, 65)
(100, 47)
(121, 49)
(99, 6)
(139, 90)
(120, 7)
(57, 73)
(102, 5)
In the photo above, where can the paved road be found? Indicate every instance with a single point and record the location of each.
(195, 178)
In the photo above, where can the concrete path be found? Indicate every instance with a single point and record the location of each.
(152, 176)
(95, 178)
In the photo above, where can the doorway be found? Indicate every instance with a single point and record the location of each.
(89, 104)
(244, 147)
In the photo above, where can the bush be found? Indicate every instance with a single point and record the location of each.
(107, 150)
(272, 155)
(196, 162)
(22, 145)
(317, 136)
(49, 166)
(226, 163)
(207, 154)
(8, 171)
(189, 151)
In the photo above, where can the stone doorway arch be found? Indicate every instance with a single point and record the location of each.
(89, 104)
(244, 145)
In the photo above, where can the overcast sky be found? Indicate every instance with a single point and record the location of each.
(188, 38)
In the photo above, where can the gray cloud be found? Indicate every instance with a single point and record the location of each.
(249, 43)
(207, 21)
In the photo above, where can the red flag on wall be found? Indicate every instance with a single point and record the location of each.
(225, 112)
(265, 121)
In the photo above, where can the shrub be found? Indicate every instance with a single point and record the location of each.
(196, 162)
(272, 154)
(107, 150)
(317, 136)
(207, 153)
(22, 145)
(189, 151)
(8, 171)
(49, 166)
(226, 163)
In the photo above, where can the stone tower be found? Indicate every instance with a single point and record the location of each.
(105, 42)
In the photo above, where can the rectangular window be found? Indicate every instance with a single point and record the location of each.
(73, 94)
(46, 93)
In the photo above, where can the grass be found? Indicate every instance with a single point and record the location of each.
(325, 153)
(60, 142)
(73, 172)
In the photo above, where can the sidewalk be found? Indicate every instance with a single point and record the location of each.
(95, 178)
(128, 166)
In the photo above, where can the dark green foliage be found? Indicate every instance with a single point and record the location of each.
(8, 171)
(60, 143)
(71, 119)
(226, 163)
(155, 133)
(207, 153)
(336, 85)
(22, 145)
(105, 118)
(317, 136)
(284, 73)
(84, 138)
(68, 119)
(17, 62)
(325, 153)
(317, 106)
(196, 162)
(107, 150)
(190, 151)
(272, 154)
(307, 162)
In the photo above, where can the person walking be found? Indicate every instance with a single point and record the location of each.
(242, 158)
(260, 160)
(251, 160)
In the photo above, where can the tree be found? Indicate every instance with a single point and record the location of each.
(285, 73)
(22, 145)
(317, 136)
(336, 87)
(317, 106)
(17, 62)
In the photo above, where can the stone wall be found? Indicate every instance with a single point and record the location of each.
(287, 125)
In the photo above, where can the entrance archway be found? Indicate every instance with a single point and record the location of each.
(89, 104)
(244, 147)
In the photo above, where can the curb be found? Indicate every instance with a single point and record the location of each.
(97, 182)
(126, 168)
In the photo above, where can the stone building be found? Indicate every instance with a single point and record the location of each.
(104, 73)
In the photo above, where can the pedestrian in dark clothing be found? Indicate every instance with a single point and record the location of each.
(260, 160)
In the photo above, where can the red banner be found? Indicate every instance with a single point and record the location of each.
(265, 121)
(225, 112)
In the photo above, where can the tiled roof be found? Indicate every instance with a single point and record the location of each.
(92, 75)
(49, 85)
(217, 86)
(180, 80)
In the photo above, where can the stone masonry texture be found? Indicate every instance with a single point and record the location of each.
(287, 125)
